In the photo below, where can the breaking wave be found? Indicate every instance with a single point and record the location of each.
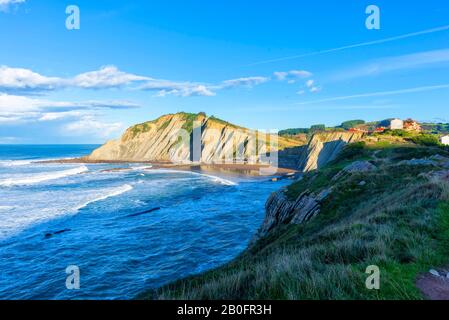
(113, 192)
(211, 177)
(15, 163)
(218, 179)
(42, 177)
(6, 208)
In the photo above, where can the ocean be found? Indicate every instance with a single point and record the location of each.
(126, 230)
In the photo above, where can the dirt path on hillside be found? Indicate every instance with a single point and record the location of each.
(434, 287)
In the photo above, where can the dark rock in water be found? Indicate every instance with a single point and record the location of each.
(51, 234)
(143, 212)
(62, 231)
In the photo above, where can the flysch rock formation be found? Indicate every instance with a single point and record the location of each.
(279, 210)
(188, 138)
(195, 138)
(325, 147)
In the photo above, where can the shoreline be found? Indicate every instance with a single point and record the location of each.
(251, 170)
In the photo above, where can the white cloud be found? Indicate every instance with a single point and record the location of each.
(20, 104)
(52, 116)
(200, 90)
(5, 4)
(245, 82)
(15, 103)
(309, 86)
(88, 125)
(280, 75)
(106, 77)
(9, 140)
(24, 79)
(180, 89)
(78, 118)
(292, 76)
(19, 108)
(310, 83)
(12, 118)
(188, 89)
(21, 80)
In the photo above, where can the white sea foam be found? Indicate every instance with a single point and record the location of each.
(113, 192)
(141, 168)
(211, 177)
(42, 177)
(26, 162)
(43, 208)
(6, 208)
(219, 179)
(15, 163)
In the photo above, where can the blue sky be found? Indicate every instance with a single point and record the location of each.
(260, 64)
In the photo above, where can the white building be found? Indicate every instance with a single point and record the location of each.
(445, 140)
(396, 124)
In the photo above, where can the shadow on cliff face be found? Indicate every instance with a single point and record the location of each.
(301, 158)
(287, 158)
(291, 158)
(329, 152)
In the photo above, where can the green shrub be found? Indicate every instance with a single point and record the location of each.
(425, 139)
(317, 128)
(399, 133)
(293, 132)
(351, 124)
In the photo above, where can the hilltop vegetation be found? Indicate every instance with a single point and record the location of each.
(429, 128)
(436, 128)
(395, 216)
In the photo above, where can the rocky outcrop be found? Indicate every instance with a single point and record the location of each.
(280, 210)
(187, 138)
(357, 166)
(325, 147)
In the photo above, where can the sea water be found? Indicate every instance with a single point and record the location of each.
(126, 230)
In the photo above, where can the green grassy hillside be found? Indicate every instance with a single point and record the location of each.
(395, 217)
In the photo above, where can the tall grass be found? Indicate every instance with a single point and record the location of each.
(398, 220)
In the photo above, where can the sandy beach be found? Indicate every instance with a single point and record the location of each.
(239, 169)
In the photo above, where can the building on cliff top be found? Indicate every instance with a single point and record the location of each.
(358, 130)
(445, 140)
(412, 125)
(396, 124)
(392, 124)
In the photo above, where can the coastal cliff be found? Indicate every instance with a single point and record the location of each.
(279, 210)
(381, 201)
(184, 138)
(171, 138)
(297, 205)
(324, 147)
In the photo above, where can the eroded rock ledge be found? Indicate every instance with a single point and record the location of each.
(280, 210)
